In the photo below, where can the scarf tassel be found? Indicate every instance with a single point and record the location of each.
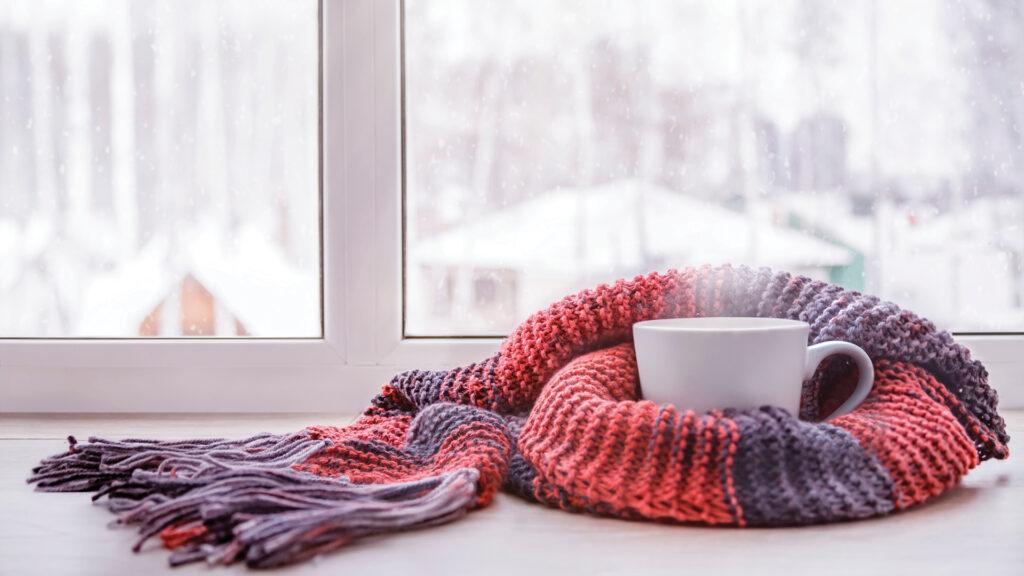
(222, 501)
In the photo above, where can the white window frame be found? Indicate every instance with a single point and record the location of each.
(363, 344)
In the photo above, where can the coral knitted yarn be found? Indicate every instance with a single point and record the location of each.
(555, 417)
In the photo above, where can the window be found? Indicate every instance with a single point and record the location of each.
(402, 235)
(879, 145)
(159, 170)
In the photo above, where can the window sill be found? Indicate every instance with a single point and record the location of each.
(930, 538)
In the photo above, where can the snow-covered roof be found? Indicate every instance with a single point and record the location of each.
(612, 226)
(253, 281)
(258, 285)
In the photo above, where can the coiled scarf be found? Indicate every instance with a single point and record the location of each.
(555, 417)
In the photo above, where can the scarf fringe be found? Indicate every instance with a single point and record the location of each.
(221, 501)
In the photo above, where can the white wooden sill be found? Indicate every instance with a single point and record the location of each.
(975, 528)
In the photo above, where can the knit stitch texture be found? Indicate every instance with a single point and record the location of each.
(556, 417)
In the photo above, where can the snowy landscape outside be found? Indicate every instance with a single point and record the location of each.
(159, 168)
(555, 145)
(158, 159)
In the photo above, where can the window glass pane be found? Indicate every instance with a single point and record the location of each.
(159, 168)
(554, 145)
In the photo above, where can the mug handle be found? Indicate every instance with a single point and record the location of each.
(818, 352)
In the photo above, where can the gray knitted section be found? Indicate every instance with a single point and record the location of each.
(420, 388)
(438, 423)
(520, 472)
(789, 472)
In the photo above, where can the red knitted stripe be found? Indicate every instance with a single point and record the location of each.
(730, 484)
(594, 447)
(356, 454)
(978, 431)
(585, 321)
(923, 446)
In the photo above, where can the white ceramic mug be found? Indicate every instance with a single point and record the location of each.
(708, 363)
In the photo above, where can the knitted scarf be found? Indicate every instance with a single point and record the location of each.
(554, 417)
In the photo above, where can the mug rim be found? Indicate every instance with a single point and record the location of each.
(721, 324)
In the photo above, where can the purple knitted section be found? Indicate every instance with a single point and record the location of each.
(790, 472)
(417, 388)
